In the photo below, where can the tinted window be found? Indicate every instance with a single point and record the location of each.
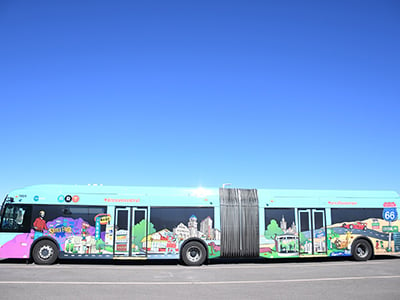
(17, 218)
(341, 215)
(318, 219)
(122, 219)
(52, 212)
(304, 221)
(284, 216)
(170, 217)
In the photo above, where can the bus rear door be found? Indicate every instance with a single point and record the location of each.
(312, 231)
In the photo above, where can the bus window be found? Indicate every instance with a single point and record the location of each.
(16, 218)
(86, 213)
(342, 215)
(95, 210)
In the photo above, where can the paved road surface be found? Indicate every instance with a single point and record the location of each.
(291, 279)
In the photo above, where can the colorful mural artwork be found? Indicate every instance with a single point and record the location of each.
(384, 238)
(336, 239)
(74, 236)
(279, 240)
(17, 246)
(167, 242)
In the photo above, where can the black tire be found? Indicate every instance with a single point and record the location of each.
(193, 254)
(45, 252)
(351, 226)
(361, 250)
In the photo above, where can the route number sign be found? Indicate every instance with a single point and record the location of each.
(389, 214)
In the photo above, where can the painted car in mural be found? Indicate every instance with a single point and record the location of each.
(356, 225)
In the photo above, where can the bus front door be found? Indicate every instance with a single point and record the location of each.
(130, 234)
(312, 231)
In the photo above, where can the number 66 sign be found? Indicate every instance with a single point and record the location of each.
(390, 211)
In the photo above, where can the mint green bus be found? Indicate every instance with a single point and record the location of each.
(44, 223)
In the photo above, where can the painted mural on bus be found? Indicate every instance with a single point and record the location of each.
(45, 223)
(94, 237)
(74, 235)
(283, 238)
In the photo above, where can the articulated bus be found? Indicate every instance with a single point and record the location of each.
(48, 222)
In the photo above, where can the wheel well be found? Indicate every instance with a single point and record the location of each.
(41, 239)
(365, 239)
(202, 242)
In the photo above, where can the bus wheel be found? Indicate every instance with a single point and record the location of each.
(45, 252)
(361, 250)
(193, 254)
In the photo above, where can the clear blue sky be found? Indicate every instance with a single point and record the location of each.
(264, 94)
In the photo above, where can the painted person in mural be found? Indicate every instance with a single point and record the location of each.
(39, 225)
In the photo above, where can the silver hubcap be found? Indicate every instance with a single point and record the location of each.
(361, 251)
(46, 252)
(193, 254)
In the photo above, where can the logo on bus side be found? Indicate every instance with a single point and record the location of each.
(68, 198)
